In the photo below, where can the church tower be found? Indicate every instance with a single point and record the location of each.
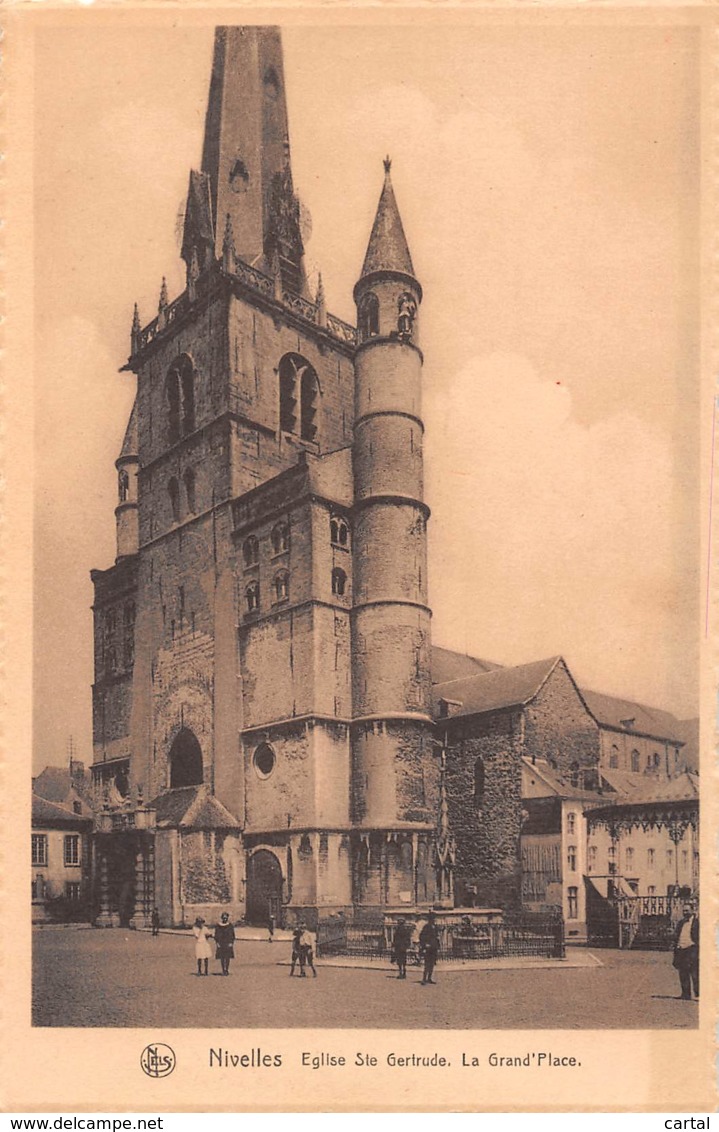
(395, 774)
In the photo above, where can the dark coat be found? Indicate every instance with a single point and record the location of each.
(429, 937)
(694, 931)
(224, 941)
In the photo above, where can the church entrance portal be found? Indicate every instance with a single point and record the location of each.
(264, 887)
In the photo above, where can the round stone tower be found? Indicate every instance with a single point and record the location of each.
(394, 764)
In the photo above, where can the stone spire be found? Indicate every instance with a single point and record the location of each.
(245, 157)
(387, 249)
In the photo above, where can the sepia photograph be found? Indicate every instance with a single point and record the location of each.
(369, 534)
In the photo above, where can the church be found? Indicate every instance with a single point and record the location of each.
(265, 734)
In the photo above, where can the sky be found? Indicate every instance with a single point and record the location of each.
(548, 182)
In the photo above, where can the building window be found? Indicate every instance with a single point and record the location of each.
(571, 822)
(339, 532)
(264, 760)
(298, 380)
(173, 491)
(189, 478)
(39, 849)
(368, 316)
(670, 858)
(72, 891)
(656, 759)
(575, 775)
(339, 581)
(77, 807)
(478, 777)
(572, 858)
(123, 485)
(180, 393)
(280, 538)
(282, 586)
(614, 758)
(252, 597)
(185, 759)
(635, 760)
(650, 858)
(685, 859)
(629, 856)
(72, 849)
(591, 858)
(572, 903)
(251, 551)
(651, 890)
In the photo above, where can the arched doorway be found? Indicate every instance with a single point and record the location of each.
(185, 760)
(264, 887)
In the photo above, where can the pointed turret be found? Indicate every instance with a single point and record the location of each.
(387, 249)
(126, 510)
(135, 331)
(321, 302)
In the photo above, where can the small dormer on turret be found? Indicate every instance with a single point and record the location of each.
(387, 293)
(126, 511)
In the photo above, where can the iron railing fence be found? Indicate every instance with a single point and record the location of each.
(518, 935)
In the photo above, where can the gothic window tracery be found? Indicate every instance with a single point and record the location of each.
(298, 383)
(252, 597)
(339, 582)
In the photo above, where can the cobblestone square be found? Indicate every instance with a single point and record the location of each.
(116, 977)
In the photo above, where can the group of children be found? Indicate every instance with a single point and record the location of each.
(303, 946)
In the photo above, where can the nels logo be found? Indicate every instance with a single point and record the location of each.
(157, 1060)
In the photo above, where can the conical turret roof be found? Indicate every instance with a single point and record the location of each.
(387, 249)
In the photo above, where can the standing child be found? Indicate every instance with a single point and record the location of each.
(225, 942)
(203, 951)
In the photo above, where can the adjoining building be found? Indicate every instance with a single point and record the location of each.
(60, 861)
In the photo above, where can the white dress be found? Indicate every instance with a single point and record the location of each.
(203, 949)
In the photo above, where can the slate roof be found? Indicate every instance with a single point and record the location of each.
(685, 787)
(49, 813)
(494, 690)
(558, 783)
(610, 711)
(55, 784)
(192, 807)
(387, 249)
(449, 665)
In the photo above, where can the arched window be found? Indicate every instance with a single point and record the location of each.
(614, 757)
(251, 551)
(189, 478)
(173, 490)
(172, 392)
(298, 381)
(123, 485)
(185, 760)
(180, 393)
(252, 597)
(280, 538)
(656, 759)
(635, 760)
(282, 586)
(478, 777)
(368, 316)
(339, 581)
(308, 404)
(339, 532)
(264, 760)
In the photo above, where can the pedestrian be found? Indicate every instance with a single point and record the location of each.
(307, 951)
(686, 952)
(203, 951)
(155, 922)
(270, 926)
(225, 942)
(429, 947)
(297, 953)
(402, 937)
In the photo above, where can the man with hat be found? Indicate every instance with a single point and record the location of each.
(686, 952)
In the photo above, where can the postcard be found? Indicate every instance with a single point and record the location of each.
(358, 577)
